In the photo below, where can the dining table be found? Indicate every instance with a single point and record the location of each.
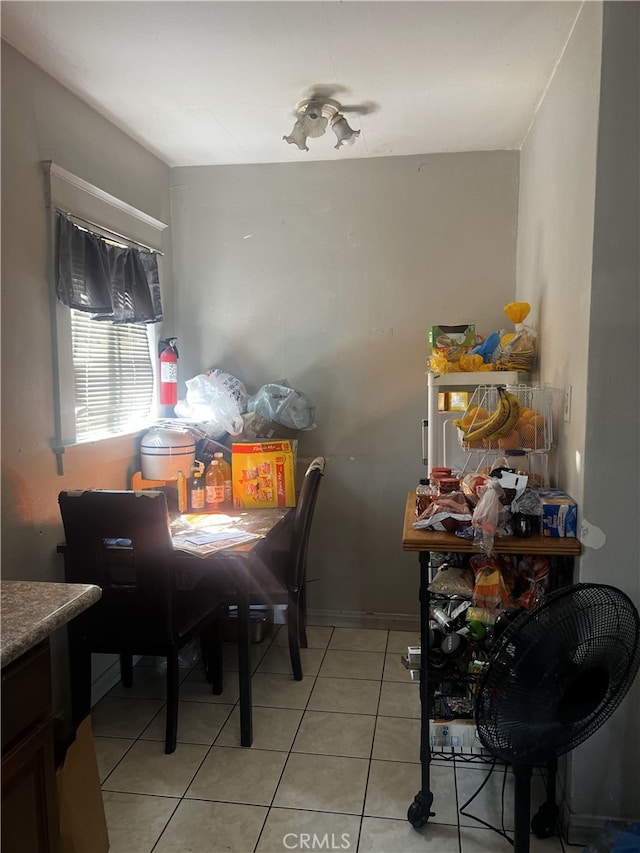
(223, 549)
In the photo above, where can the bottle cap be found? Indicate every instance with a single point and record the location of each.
(218, 455)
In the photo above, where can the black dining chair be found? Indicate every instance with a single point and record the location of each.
(121, 541)
(276, 574)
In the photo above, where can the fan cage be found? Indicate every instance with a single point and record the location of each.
(558, 673)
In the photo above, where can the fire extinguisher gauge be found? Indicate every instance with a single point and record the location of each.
(168, 342)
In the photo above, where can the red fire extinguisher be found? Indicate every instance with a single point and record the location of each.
(168, 371)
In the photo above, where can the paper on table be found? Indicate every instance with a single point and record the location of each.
(204, 543)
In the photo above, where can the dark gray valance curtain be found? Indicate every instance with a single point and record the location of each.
(109, 282)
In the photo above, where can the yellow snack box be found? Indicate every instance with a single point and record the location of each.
(263, 473)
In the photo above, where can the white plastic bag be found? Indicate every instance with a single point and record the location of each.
(486, 515)
(283, 405)
(217, 399)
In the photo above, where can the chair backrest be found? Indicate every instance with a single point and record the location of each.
(304, 516)
(121, 541)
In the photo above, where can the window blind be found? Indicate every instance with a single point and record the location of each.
(113, 377)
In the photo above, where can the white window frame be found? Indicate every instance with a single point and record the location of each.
(68, 193)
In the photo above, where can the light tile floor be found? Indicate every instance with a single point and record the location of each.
(334, 763)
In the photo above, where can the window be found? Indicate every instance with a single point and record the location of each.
(104, 372)
(113, 377)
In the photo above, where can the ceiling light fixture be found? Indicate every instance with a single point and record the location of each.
(313, 116)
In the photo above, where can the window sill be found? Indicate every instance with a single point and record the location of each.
(103, 451)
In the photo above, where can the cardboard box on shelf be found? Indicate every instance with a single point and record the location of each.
(453, 401)
(441, 337)
(263, 473)
(559, 514)
(453, 733)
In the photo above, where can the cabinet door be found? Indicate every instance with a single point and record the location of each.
(29, 807)
(29, 802)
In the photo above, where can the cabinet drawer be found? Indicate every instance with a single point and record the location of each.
(26, 693)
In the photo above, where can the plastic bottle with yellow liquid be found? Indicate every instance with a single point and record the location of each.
(214, 485)
(228, 485)
(197, 491)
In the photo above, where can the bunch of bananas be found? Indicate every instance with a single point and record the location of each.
(501, 423)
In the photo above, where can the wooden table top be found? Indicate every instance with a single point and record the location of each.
(440, 541)
(259, 523)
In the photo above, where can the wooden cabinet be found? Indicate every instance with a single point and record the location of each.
(29, 804)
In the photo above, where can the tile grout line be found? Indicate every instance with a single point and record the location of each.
(373, 740)
(284, 766)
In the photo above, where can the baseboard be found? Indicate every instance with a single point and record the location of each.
(357, 619)
(585, 828)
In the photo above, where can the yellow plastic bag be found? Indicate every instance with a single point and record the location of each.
(471, 363)
(517, 311)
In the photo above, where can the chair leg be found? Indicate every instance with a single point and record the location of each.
(126, 669)
(244, 671)
(205, 652)
(211, 645)
(173, 682)
(293, 630)
(302, 616)
(216, 662)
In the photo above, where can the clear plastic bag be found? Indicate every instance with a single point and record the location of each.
(518, 353)
(616, 837)
(453, 580)
(493, 575)
(280, 403)
(486, 515)
(532, 581)
(528, 503)
(217, 399)
(517, 350)
(448, 512)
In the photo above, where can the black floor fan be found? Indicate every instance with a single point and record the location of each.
(556, 674)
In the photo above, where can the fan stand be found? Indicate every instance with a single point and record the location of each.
(544, 821)
(581, 645)
(522, 799)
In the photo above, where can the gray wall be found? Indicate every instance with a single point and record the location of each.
(328, 274)
(613, 397)
(578, 262)
(43, 121)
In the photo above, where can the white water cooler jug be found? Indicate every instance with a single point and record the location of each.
(164, 452)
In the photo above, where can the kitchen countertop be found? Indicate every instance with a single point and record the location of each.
(31, 610)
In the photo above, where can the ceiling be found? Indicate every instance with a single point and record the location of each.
(212, 82)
